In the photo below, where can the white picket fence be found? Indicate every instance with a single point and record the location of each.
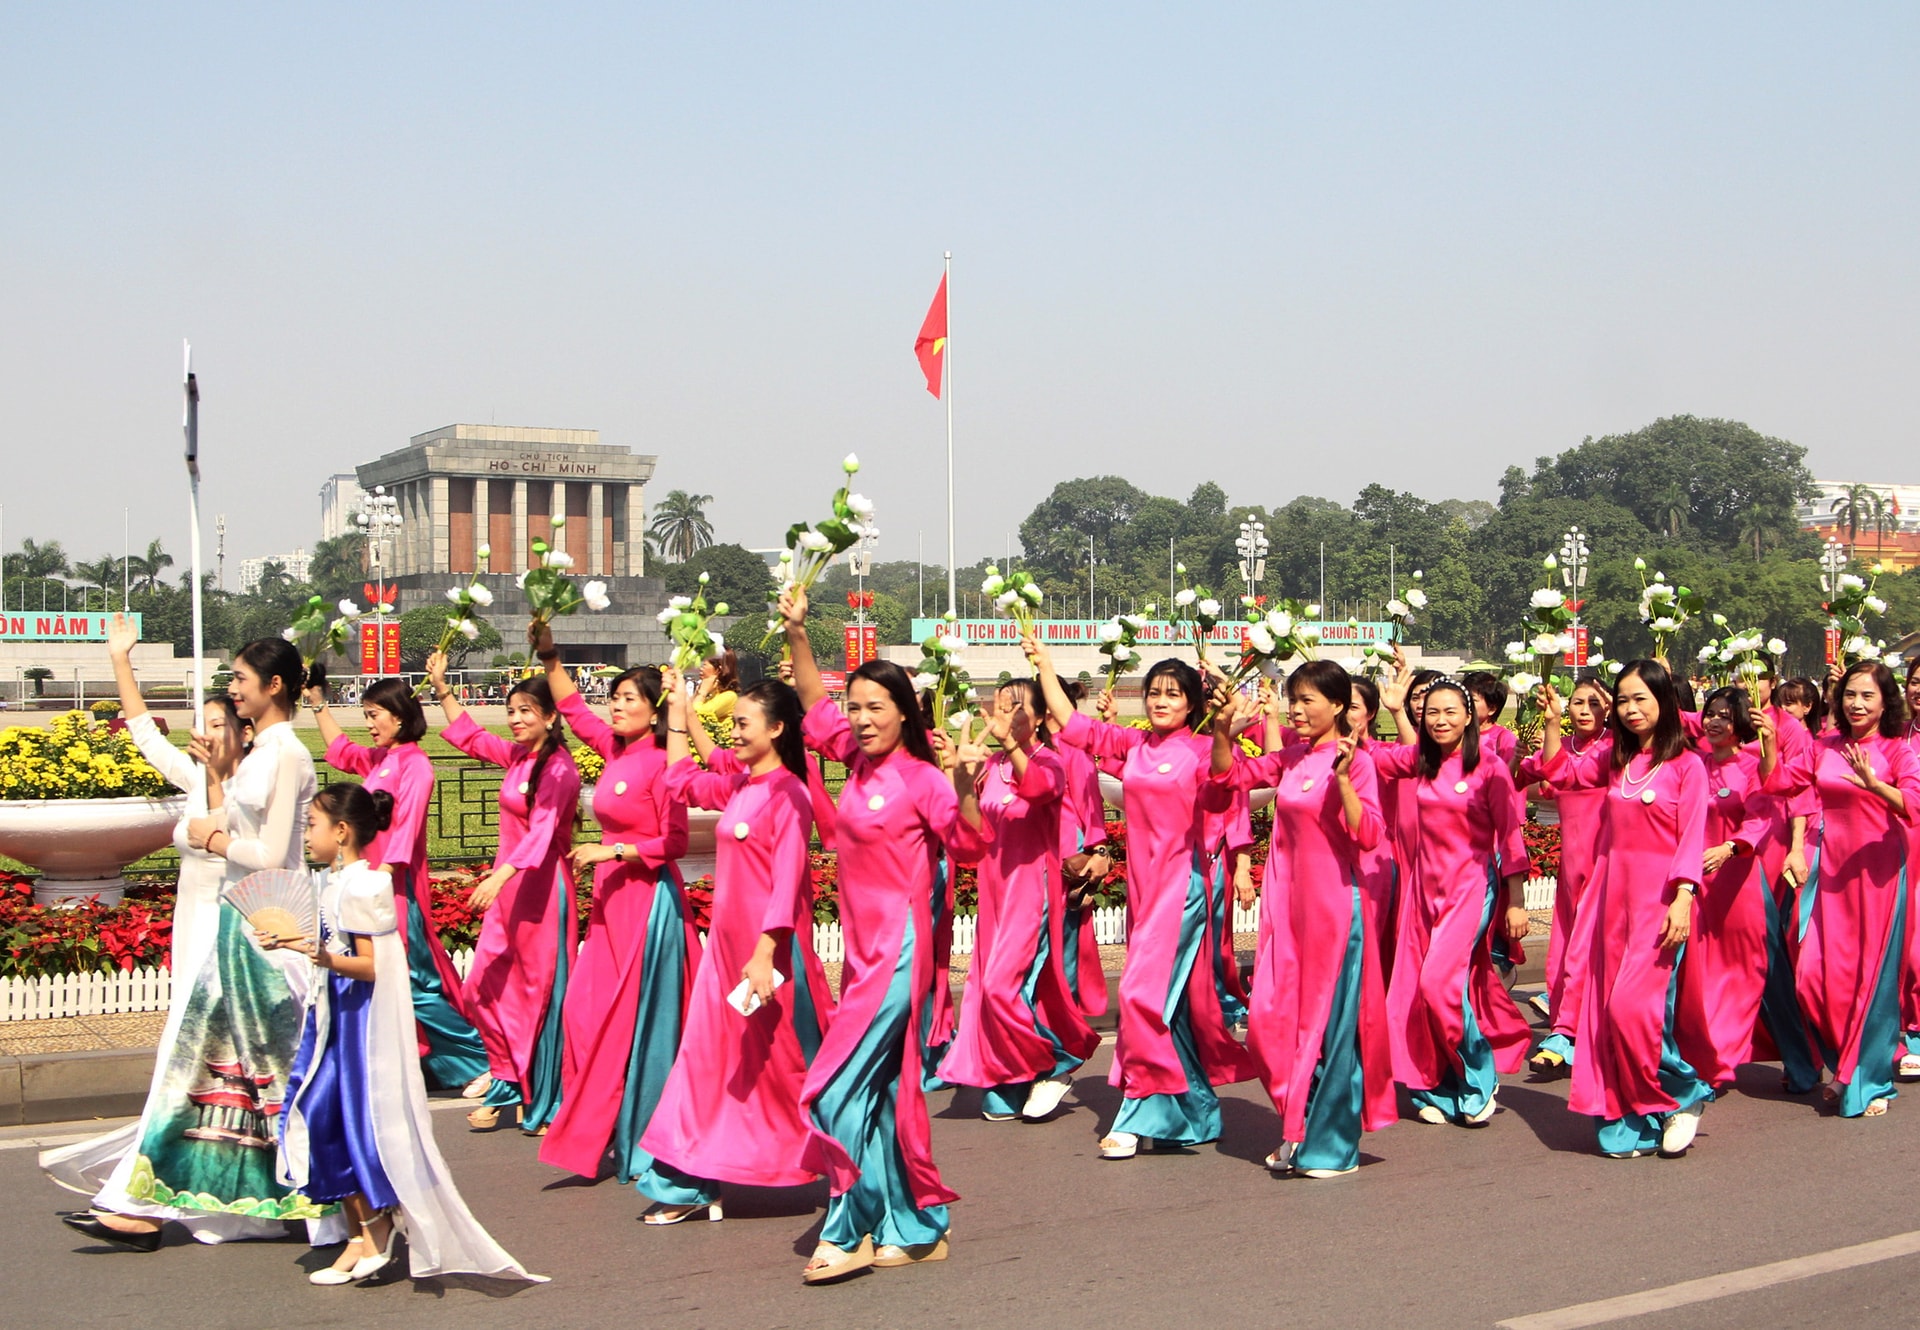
(152, 989)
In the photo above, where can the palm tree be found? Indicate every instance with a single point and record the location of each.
(1674, 506)
(39, 561)
(274, 578)
(146, 568)
(1757, 525)
(681, 523)
(102, 572)
(1856, 507)
(1880, 515)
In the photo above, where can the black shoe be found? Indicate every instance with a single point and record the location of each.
(93, 1228)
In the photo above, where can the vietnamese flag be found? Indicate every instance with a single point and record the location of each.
(931, 345)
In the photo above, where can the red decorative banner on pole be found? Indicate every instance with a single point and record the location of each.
(379, 646)
(1833, 645)
(862, 643)
(1577, 658)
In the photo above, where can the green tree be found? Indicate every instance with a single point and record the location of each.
(102, 573)
(735, 575)
(339, 568)
(420, 631)
(680, 521)
(146, 568)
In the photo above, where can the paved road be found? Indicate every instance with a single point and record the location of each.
(1442, 1227)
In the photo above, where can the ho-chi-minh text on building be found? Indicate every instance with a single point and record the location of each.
(465, 488)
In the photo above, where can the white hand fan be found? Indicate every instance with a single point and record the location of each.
(280, 901)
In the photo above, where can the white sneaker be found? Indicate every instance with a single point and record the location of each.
(1044, 1097)
(1680, 1129)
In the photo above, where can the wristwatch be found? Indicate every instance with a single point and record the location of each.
(620, 851)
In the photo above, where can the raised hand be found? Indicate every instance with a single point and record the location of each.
(1346, 746)
(437, 669)
(1861, 760)
(1226, 705)
(793, 608)
(122, 637)
(1106, 706)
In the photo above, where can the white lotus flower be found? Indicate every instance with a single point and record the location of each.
(1615, 666)
(1184, 597)
(1566, 643)
(922, 680)
(1545, 644)
(1125, 655)
(349, 610)
(993, 585)
(1874, 603)
(813, 541)
(1517, 652)
(484, 553)
(1417, 598)
(1546, 598)
(1005, 601)
(467, 628)
(957, 720)
(786, 556)
(850, 464)
(1033, 593)
(860, 506)
(951, 642)
(289, 634)
(558, 521)
(521, 581)
(1851, 582)
(559, 559)
(1134, 621)
(453, 594)
(1549, 563)
(1665, 625)
(595, 594)
(1110, 632)
(703, 579)
(1313, 611)
(1524, 682)
(480, 594)
(1776, 647)
(1280, 623)
(1310, 632)
(669, 614)
(1210, 608)
(1397, 609)
(1260, 639)
(680, 602)
(1706, 653)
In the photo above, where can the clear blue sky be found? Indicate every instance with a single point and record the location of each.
(1290, 248)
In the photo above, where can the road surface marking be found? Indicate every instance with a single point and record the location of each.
(1718, 1286)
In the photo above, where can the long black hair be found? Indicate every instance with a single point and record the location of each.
(647, 679)
(780, 705)
(368, 812)
(1331, 681)
(276, 658)
(1739, 711)
(394, 697)
(899, 688)
(536, 688)
(1893, 705)
(1806, 693)
(1190, 685)
(1669, 738)
(1369, 694)
(1430, 755)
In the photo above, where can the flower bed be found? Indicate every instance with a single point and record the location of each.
(1543, 847)
(74, 758)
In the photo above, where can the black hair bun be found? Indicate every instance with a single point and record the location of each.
(382, 809)
(317, 675)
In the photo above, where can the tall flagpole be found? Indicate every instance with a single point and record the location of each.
(946, 364)
(190, 425)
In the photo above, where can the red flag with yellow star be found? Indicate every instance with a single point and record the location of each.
(931, 345)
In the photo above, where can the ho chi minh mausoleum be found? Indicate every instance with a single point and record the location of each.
(467, 487)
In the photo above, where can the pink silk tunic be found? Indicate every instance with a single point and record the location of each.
(1306, 918)
(896, 817)
(1464, 831)
(1645, 850)
(1910, 995)
(731, 1109)
(1168, 794)
(633, 807)
(406, 773)
(1724, 971)
(510, 982)
(1083, 826)
(1862, 867)
(1571, 939)
(999, 1040)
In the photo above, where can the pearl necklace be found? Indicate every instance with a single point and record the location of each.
(1630, 788)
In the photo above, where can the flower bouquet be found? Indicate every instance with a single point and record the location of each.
(1400, 611)
(811, 546)
(1665, 608)
(550, 592)
(1197, 613)
(1015, 595)
(686, 620)
(314, 633)
(942, 675)
(465, 620)
(1848, 611)
(1741, 656)
(1118, 638)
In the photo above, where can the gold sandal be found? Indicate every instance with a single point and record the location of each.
(890, 1255)
(829, 1262)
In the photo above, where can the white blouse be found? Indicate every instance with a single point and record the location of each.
(266, 803)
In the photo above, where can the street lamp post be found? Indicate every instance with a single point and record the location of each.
(1252, 545)
(378, 519)
(1573, 575)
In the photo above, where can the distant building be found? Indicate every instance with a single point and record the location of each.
(465, 488)
(298, 565)
(1896, 543)
(339, 498)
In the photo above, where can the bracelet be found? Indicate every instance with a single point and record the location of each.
(1687, 887)
(673, 730)
(549, 656)
(442, 697)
